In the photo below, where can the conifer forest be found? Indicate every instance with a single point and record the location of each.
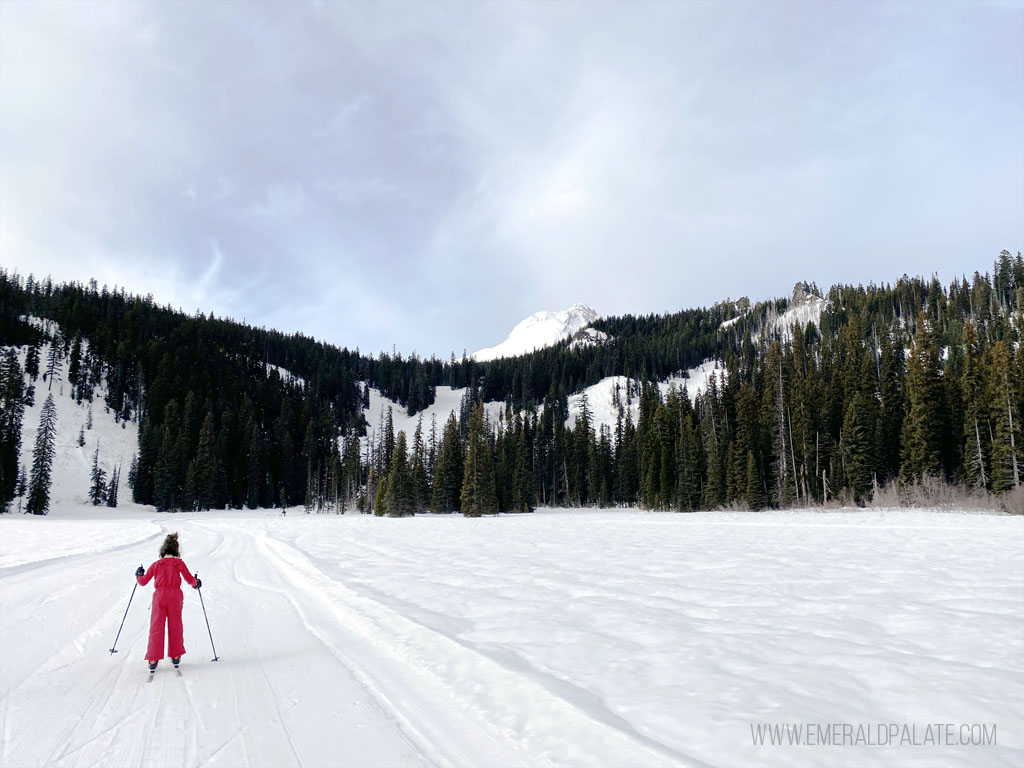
(897, 384)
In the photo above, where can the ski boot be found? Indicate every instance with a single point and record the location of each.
(176, 660)
(152, 667)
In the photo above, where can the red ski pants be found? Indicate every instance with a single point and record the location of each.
(166, 608)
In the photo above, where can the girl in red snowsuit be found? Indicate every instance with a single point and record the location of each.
(167, 601)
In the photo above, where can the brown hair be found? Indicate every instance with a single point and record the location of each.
(170, 545)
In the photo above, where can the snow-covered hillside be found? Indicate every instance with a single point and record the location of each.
(588, 337)
(586, 638)
(541, 329)
(285, 375)
(805, 307)
(447, 400)
(612, 395)
(72, 464)
(604, 400)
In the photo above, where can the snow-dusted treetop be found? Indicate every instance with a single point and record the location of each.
(541, 329)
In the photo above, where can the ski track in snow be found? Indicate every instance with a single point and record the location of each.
(584, 638)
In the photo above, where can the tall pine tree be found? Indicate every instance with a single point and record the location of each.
(479, 496)
(447, 491)
(97, 481)
(42, 460)
(923, 427)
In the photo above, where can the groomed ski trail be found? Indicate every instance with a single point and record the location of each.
(254, 707)
(311, 673)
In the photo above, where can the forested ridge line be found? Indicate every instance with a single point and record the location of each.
(891, 385)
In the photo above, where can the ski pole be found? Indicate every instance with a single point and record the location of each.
(113, 648)
(202, 603)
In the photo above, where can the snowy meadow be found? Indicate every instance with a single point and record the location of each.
(589, 638)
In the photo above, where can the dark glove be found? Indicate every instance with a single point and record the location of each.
(199, 582)
(140, 572)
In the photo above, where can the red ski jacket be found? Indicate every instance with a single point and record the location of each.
(168, 571)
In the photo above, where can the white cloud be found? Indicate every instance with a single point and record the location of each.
(429, 174)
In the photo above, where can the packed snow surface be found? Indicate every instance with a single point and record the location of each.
(541, 329)
(590, 638)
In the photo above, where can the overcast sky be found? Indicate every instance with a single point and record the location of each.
(426, 175)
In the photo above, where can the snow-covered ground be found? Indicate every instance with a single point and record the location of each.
(695, 380)
(286, 375)
(445, 402)
(609, 396)
(726, 324)
(601, 399)
(588, 337)
(604, 638)
(807, 310)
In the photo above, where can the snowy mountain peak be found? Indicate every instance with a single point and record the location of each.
(541, 329)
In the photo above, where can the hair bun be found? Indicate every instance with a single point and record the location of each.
(174, 535)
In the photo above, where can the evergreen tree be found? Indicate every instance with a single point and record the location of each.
(856, 448)
(773, 425)
(42, 459)
(754, 484)
(113, 487)
(203, 468)
(168, 482)
(32, 360)
(627, 459)
(97, 482)
(976, 445)
(133, 469)
(522, 480)
(401, 498)
(688, 469)
(81, 437)
(314, 498)
(351, 471)
(715, 448)
(890, 421)
(447, 491)
(1006, 439)
(432, 444)
(12, 413)
(381, 489)
(254, 468)
(22, 487)
(388, 442)
(53, 365)
(922, 429)
(75, 367)
(479, 496)
(744, 442)
(420, 483)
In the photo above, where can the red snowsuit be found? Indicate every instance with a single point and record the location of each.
(167, 602)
